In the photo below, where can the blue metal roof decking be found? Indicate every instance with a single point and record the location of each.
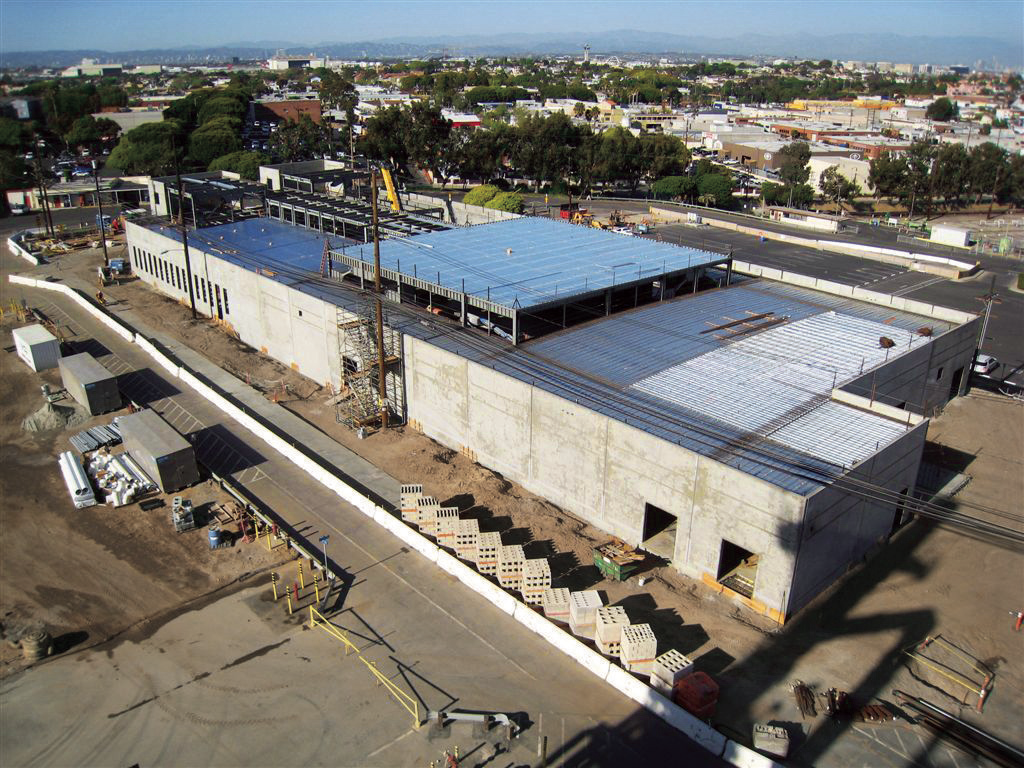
(532, 262)
(259, 240)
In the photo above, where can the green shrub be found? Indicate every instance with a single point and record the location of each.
(480, 195)
(506, 201)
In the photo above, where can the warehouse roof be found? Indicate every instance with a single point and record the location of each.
(530, 262)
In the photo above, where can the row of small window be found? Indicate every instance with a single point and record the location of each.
(175, 276)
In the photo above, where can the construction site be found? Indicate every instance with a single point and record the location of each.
(707, 480)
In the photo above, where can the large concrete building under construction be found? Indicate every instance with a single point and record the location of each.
(757, 434)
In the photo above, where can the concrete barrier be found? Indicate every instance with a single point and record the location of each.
(18, 249)
(488, 590)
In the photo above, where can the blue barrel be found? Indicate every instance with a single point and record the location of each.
(214, 538)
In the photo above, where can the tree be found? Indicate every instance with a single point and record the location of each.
(836, 187)
(887, 174)
(428, 141)
(383, 136)
(245, 164)
(218, 136)
(987, 163)
(619, 157)
(300, 139)
(227, 104)
(663, 155)
(716, 189)
(942, 110)
(14, 136)
(506, 201)
(483, 154)
(951, 174)
(793, 159)
(89, 131)
(336, 92)
(481, 195)
(147, 150)
(675, 187)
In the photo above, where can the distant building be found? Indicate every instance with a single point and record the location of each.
(282, 62)
(276, 110)
(92, 68)
(22, 108)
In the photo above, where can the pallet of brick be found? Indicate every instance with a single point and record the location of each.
(608, 624)
(536, 579)
(583, 612)
(410, 495)
(487, 547)
(444, 528)
(510, 566)
(668, 669)
(638, 648)
(428, 507)
(555, 602)
(467, 535)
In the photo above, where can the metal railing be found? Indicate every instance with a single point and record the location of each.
(407, 702)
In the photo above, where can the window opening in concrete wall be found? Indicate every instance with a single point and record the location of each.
(737, 568)
(349, 365)
(898, 518)
(954, 385)
(938, 374)
(220, 311)
(659, 534)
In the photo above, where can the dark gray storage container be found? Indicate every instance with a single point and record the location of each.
(167, 457)
(90, 383)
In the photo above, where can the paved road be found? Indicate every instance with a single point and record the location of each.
(460, 646)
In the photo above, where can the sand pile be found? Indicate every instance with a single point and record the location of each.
(51, 417)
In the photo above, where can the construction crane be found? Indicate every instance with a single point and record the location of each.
(396, 205)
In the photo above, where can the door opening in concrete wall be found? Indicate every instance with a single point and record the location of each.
(349, 365)
(901, 508)
(659, 531)
(737, 568)
(954, 385)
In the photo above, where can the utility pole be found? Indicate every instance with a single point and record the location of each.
(42, 198)
(989, 299)
(184, 233)
(382, 378)
(99, 202)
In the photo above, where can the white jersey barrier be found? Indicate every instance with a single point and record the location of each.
(588, 658)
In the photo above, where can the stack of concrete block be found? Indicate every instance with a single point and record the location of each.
(583, 612)
(555, 602)
(411, 495)
(668, 669)
(487, 547)
(510, 566)
(608, 624)
(467, 534)
(536, 579)
(444, 527)
(428, 507)
(638, 649)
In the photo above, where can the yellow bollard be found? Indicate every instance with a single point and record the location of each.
(316, 586)
(273, 582)
(269, 529)
(312, 620)
(302, 581)
(288, 597)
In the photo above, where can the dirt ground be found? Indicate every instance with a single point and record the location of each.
(928, 581)
(88, 574)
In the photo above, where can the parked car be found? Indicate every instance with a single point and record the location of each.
(985, 364)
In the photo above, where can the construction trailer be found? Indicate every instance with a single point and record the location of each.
(166, 456)
(89, 383)
(39, 348)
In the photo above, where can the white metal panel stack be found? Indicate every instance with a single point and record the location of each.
(510, 566)
(428, 507)
(467, 534)
(536, 579)
(487, 547)
(608, 623)
(638, 649)
(444, 529)
(410, 495)
(555, 603)
(669, 668)
(583, 612)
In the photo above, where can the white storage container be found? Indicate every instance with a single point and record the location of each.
(39, 348)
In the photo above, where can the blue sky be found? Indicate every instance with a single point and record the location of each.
(118, 25)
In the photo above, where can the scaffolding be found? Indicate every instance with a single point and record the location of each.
(360, 404)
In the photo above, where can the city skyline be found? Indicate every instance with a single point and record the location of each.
(120, 25)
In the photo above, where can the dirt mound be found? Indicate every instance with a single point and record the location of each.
(51, 417)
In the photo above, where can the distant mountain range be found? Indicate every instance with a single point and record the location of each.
(627, 42)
